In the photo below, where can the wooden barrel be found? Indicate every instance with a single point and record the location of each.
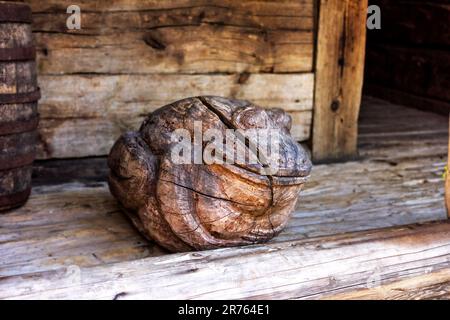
(18, 104)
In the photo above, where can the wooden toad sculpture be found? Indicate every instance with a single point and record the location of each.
(181, 201)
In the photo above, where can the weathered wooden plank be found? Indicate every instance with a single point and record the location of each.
(391, 133)
(79, 222)
(430, 286)
(68, 224)
(382, 191)
(299, 269)
(176, 37)
(339, 78)
(76, 226)
(86, 96)
(206, 49)
(78, 137)
(84, 114)
(82, 223)
(262, 8)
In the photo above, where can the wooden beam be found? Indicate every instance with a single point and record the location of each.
(430, 286)
(339, 78)
(311, 268)
(188, 50)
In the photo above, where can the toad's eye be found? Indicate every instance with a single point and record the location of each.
(282, 119)
(251, 118)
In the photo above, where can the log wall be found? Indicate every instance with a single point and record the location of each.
(408, 60)
(130, 57)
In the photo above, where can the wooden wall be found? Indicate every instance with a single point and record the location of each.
(132, 56)
(408, 60)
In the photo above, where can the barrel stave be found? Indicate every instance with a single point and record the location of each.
(18, 104)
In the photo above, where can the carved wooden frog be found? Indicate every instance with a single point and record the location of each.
(200, 173)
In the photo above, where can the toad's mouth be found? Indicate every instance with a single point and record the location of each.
(289, 167)
(272, 180)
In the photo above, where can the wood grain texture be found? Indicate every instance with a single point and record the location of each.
(429, 286)
(298, 269)
(199, 204)
(77, 227)
(176, 37)
(261, 6)
(391, 132)
(339, 78)
(184, 49)
(75, 223)
(101, 108)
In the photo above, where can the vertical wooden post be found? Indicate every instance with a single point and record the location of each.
(447, 178)
(339, 78)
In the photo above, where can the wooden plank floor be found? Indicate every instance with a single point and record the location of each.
(76, 227)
